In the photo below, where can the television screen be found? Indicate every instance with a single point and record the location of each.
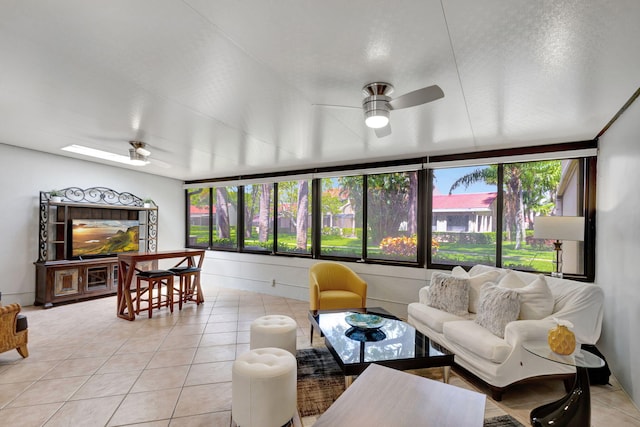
(96, 237)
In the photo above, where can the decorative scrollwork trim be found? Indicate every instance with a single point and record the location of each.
(98, 195)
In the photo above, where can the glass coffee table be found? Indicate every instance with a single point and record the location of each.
(389, 342)
(574, 409)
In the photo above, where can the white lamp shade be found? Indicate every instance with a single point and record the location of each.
(559, 227)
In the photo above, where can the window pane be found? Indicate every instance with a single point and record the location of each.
(463, 221)
(341, 207)
(198, 222)
(549, 188)
(258, 217)
(392, 208)
(294, 217)
(225, 217)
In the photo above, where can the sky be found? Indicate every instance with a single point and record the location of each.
(446, 177)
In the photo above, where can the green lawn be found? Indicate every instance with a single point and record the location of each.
(526, 258)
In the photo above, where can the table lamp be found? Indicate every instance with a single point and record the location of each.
(558, 228)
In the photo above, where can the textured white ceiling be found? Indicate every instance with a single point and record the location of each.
(220, 88)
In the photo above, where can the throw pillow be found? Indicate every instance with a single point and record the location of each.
(536, 299)
(497, 307)
(448, 293)
(475, 283)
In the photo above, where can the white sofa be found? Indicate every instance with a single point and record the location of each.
(501, 362)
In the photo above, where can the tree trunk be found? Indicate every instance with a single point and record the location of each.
(263, 218)
(222, 213)
(516, 189)
(249, 212)
(412, 220)
(301, 220)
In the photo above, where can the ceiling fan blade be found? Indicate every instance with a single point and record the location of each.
(335, 106)
(159, 163)
(417, 97)
(382, 132)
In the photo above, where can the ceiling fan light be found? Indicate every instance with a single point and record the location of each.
(376, 119)
(143, 151)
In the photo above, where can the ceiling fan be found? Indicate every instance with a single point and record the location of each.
(139, 154)
(378, 103)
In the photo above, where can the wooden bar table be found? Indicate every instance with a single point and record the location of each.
(127, 263)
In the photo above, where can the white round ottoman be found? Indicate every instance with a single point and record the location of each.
(274, 330)
(263, 387)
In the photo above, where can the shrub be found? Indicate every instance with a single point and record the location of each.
(223, 243)
(404, 246)
(331, 231)
(484, 238)
(435, 245)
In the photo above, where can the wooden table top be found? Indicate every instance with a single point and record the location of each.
(383, 397)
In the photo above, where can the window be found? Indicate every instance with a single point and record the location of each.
(547, 188)
(463, 215)
(225, 218)
(392, 216)
(341, 210)
(389, 213)
(258, 217)
(198, 223)
(470, 204)
(294, 217)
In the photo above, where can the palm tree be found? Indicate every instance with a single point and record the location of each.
(528, 188)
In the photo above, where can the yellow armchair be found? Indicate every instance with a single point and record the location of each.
(10, 337)
(335, 286)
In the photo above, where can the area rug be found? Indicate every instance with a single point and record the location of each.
(502, 421)
(320, 383)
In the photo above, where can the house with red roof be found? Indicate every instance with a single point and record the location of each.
(470, 212)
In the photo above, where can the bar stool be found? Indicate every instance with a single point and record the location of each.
(189, 279)
(154, 279)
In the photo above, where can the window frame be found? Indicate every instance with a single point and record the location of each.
(586, 150)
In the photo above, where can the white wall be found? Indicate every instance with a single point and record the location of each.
(24, 173)
(618, 247)
(389, 287)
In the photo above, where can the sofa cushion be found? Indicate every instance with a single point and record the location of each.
(476, 339)
(449, 293)
(497, 307)
(536, 299)
(475, 283)
(433, 318)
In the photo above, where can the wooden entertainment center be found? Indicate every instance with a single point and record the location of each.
(62, 277)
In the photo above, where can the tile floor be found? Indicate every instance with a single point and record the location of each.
(88, 367)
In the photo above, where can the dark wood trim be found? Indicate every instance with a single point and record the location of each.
(626, 105)
(240, 221)
(517, 151)
(422, 245)
(499, 214)
(591, 171)
(316, 217)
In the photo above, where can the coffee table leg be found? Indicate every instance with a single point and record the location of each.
(348, 379)
(446, 371)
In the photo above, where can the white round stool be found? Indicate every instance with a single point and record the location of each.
(274, 330)
(263, 387)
